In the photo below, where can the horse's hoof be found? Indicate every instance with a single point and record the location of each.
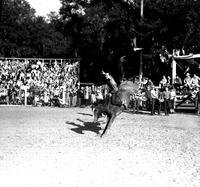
(104, 135)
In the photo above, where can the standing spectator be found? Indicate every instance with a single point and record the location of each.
(172, 99)
(197, 100)
(74, 97)
(82, 94)
(161, 99)
(93, 95)
(79, 95)
(167, 96)
(71, 94)
(46, 98)
(86, 95)
(148, 96)
(99, 95)
(154, 101)
(68, 102)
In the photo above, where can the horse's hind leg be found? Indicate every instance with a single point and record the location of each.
(110, 119)
(96, 115)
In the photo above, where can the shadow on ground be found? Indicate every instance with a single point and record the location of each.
(137, 112)
(86, 126)
(85, 114)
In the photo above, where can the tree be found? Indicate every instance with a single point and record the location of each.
(97, 28)
(100, 32)
(15, 17)
(23, 34)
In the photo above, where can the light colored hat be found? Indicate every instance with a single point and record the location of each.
(187, 74)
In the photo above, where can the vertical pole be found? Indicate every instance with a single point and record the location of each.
(64, 95)
(141, 59)
(25, 96)
(142, 9)
(173, 70)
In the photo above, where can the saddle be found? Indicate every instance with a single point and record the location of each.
(116, 100)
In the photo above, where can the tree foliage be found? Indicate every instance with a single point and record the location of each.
(22, 34)
(173, 23)
(101, 31)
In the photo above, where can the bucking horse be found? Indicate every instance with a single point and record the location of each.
(116, 103)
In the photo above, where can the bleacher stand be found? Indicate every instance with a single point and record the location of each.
(45, 82)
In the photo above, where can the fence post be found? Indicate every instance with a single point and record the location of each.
(25, 99)
(25, 88)
(64, 96)
(173, 70)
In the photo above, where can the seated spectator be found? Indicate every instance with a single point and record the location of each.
(168, 80)
(177, 83)
(195, 81)
(187, 81)
(163, 82)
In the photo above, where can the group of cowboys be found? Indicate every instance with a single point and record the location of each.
(159, 98)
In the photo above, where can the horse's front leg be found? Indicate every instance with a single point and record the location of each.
(97, 113)
(110, 119)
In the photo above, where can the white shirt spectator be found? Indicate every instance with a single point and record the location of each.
(154, 94)
(195, 80)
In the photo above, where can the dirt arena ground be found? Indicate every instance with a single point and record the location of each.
(50, 147)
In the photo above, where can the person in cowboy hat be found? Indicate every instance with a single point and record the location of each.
(187, 81)
(195, 81)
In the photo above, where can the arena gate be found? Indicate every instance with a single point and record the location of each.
(185, 63)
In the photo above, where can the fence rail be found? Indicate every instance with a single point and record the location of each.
(45, 60)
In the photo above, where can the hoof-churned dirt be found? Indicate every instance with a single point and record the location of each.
(52, 147)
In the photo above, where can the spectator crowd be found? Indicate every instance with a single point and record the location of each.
(57, 84)
(164, 96)
(45, 83)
